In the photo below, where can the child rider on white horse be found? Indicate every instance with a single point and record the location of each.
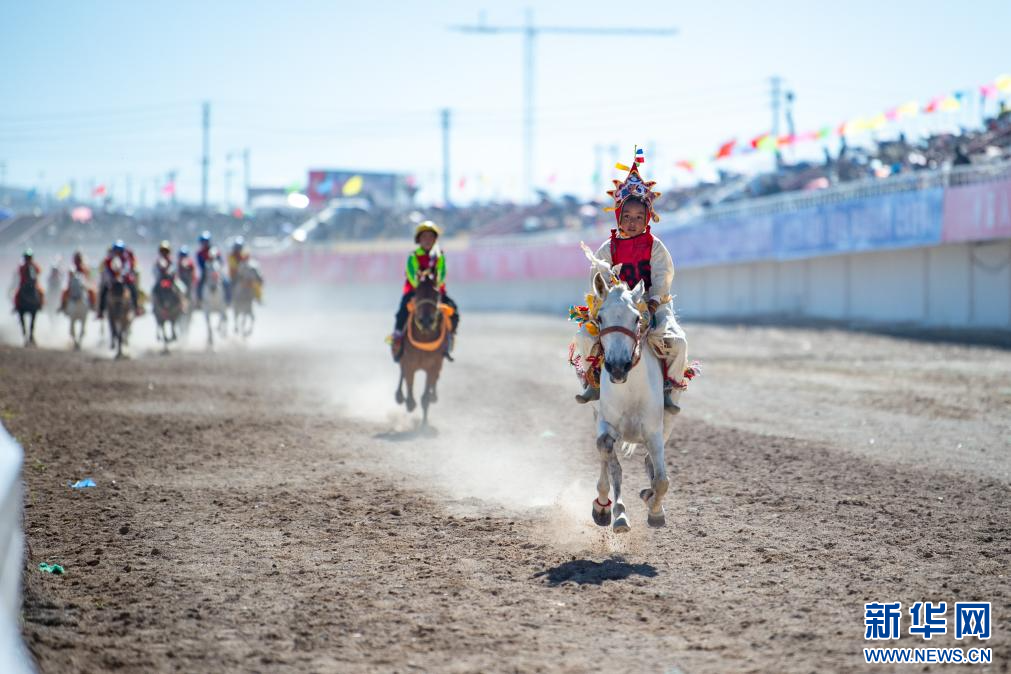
(643, 257)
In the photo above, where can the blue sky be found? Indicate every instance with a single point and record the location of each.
(96, 91)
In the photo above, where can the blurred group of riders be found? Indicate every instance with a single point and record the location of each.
(636, 255)
(181, 274)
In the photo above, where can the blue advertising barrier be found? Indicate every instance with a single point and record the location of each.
(879, 222)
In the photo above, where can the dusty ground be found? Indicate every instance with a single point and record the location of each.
(265, 508)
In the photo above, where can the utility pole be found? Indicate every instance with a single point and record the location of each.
(228, 181)
(598, 174)
(776, 82)
(529, 31)
(445, 156)
(245, 175)
(129, 190)
(206, 163)
(790, 129)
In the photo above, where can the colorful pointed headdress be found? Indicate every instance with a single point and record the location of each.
(633, 186)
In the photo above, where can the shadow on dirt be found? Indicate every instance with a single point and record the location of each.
(415, 433)
(588, 572)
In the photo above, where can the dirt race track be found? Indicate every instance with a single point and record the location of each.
(266, 508)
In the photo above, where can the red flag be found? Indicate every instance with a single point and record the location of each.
(98, 191)
(169, 189)
(726, 149)
(758, 139)
(686, 165)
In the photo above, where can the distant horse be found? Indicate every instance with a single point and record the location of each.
(213, 301)
(120, 307)
(243, 294)
(168, 306)
(28, 300)
(54, 284)
(77, 308)
(428, 327)
(187, 278)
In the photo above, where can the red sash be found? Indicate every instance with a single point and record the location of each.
(634, 255)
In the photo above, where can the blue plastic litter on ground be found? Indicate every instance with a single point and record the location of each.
(82, 484)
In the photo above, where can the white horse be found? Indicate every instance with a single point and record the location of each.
(243, 293)
(630, 411)
(77, 308)
(213, 301)
(54, 284)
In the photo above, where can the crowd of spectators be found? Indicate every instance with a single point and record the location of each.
(364, 220)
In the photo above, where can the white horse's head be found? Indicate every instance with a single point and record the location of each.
(619, 318)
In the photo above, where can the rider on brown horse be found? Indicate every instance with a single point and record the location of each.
(127, 272)
(427, 259)
(28, 273)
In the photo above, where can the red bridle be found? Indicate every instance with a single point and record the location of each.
(635, 336)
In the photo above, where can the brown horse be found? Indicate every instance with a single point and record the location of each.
(168, 304)
(28, 300)
(120, 315)
(428, 326)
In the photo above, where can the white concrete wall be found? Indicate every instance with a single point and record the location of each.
(963, 285)
(966, 285)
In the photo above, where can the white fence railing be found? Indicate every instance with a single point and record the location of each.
(13, 656)
(791, 201)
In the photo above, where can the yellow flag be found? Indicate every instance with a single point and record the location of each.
(877, 122)
(950, 104)
(908, 109)
(353, 186)
(1003, 82)
(64, 193)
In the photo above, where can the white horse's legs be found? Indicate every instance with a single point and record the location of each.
(210, 330)
(621, 524)
(602, 504)
(656, 471)
(77, 332)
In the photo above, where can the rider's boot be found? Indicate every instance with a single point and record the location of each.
(101, 303)
(671, 398)
(397, 345)
(137, 309)
(450, 341)
(588, 394)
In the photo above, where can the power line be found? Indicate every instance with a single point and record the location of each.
(530, 32)
(93, 113)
